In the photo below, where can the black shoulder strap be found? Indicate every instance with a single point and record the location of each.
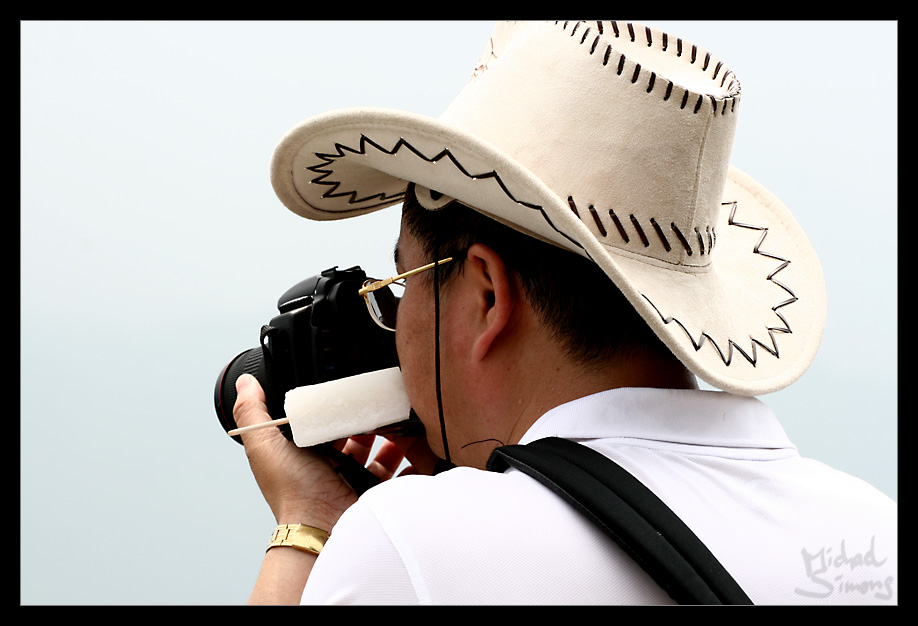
(628, 512)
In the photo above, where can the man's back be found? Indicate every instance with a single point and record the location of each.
(790, 530)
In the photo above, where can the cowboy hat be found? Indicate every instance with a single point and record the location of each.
(613, 140)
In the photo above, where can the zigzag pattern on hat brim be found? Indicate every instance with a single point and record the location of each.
(384, 200)
(324, 177)
(752, 355)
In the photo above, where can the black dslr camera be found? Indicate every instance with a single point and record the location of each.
(323, 333)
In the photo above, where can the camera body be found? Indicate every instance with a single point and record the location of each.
(322, 332)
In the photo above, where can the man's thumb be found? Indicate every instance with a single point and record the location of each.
(250, 402)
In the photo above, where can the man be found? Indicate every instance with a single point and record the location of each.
(592, 252)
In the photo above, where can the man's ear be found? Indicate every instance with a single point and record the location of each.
(494, 294)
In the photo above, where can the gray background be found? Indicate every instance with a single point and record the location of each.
(152, 249)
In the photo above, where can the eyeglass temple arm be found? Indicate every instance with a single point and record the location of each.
(379, 284)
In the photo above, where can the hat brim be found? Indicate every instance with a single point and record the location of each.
(749, 322)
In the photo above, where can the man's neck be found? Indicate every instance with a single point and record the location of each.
(542, 379)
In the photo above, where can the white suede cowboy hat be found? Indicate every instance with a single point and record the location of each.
(613, 140)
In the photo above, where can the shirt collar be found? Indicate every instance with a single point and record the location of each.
(689, 416)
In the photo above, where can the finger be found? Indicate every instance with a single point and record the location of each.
(250, 408)
(359, 447)
(250, 405)
(418, 453)
(387, 460)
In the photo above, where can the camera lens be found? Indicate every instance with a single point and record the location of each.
(257, 363)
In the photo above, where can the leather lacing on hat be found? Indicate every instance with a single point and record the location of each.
(732, 87)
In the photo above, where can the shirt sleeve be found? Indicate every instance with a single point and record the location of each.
(359, 565)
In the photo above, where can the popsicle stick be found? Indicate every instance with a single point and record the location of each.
(248, 429)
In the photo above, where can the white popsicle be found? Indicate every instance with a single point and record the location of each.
(345, 407)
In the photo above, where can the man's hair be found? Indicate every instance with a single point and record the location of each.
(581, 306)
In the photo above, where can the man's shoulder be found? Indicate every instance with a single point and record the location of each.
(455, 480)
(459, 493)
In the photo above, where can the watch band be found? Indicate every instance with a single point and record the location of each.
(299, 536)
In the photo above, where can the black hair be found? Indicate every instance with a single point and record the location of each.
(573, 297)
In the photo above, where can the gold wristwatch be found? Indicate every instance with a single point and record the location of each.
(299, 536)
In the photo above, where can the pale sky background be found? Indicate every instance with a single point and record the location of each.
(152, 249)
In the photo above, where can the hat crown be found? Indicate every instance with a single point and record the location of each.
(646, 174)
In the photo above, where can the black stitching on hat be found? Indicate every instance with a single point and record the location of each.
(700, 241)
(640, 231)
(660, 234)
(637, 71)
(618, 225)
(685, 243)
(573, 205)
(705, 247)
(727, 81)
(599, 224)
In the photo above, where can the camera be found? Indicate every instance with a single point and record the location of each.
(322, 332)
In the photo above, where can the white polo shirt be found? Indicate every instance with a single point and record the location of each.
(790, 530)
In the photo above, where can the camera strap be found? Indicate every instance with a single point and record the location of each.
(628, 512)
(436, 290)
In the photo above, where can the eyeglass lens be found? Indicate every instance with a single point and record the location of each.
(384, 304)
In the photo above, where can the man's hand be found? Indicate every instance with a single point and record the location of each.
(302, 486)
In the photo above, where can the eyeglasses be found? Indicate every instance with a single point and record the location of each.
(382, 301)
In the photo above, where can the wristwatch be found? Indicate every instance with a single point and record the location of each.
(299, 536)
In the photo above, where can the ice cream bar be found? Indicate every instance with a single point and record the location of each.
(347, 406)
